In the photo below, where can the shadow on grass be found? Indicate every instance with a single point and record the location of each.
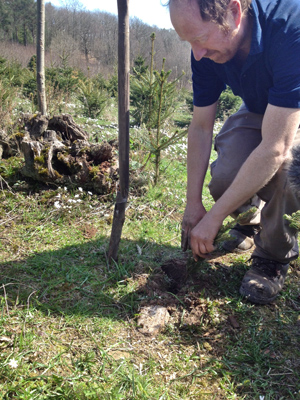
(78, 278)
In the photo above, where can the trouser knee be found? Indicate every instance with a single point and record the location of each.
(219, 182)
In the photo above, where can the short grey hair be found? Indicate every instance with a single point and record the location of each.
(215, 10)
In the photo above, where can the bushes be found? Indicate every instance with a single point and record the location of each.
(10, 79)
(11, 73)
(61, 84)
(93, 97)
(64, 79)
(228, 104)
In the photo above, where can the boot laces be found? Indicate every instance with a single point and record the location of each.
(270, 267)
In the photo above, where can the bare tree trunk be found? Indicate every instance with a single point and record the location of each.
(123, 90)
(40, 59)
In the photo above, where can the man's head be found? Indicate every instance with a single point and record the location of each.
(218, 32)
(214, 10)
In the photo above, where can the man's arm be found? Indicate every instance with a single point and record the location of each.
(278, 131)
(199, 149)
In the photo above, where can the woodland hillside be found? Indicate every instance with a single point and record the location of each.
(84, 39)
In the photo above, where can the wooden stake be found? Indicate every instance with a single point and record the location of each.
(123, 94)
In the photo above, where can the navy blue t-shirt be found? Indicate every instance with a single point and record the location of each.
(271, 72)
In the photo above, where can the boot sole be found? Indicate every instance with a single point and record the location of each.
(253, 299)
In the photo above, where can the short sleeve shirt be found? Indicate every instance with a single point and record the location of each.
(271, 72)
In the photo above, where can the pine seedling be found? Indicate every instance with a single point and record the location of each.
(294, 220)
(154, 97)
(224, 235)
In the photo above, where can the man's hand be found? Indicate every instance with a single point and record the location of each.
(203, 235)
(192, 215)
(199, 148)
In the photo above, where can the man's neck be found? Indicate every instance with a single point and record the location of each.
(245, 46)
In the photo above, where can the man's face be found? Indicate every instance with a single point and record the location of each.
(207, 39)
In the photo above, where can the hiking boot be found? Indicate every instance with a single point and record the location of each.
(243, 241)
(264, 280)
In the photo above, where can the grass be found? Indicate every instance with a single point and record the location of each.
(68, 326)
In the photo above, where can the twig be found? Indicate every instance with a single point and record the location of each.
(168, 215)
(5, 298)
(29, 299)
(4, 222)
(170, 240)
(187, 375)
(282, 373)
(12, 283)
(3, 238)
(199, 353)
(107, 260)
(7, 185)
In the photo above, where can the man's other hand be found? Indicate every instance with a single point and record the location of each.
(192, 215)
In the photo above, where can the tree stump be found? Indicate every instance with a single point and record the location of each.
(57, 151)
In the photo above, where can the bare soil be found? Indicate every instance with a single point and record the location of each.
(183, 286)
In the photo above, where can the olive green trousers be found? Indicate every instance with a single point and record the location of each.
(239, 136)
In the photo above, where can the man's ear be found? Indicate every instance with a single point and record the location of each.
(235, 9)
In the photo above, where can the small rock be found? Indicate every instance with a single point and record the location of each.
(207, 346)
(152, 319)
(233, 321)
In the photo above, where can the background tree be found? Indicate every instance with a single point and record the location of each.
(92, 37)
(18, 20)
(41, 57)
